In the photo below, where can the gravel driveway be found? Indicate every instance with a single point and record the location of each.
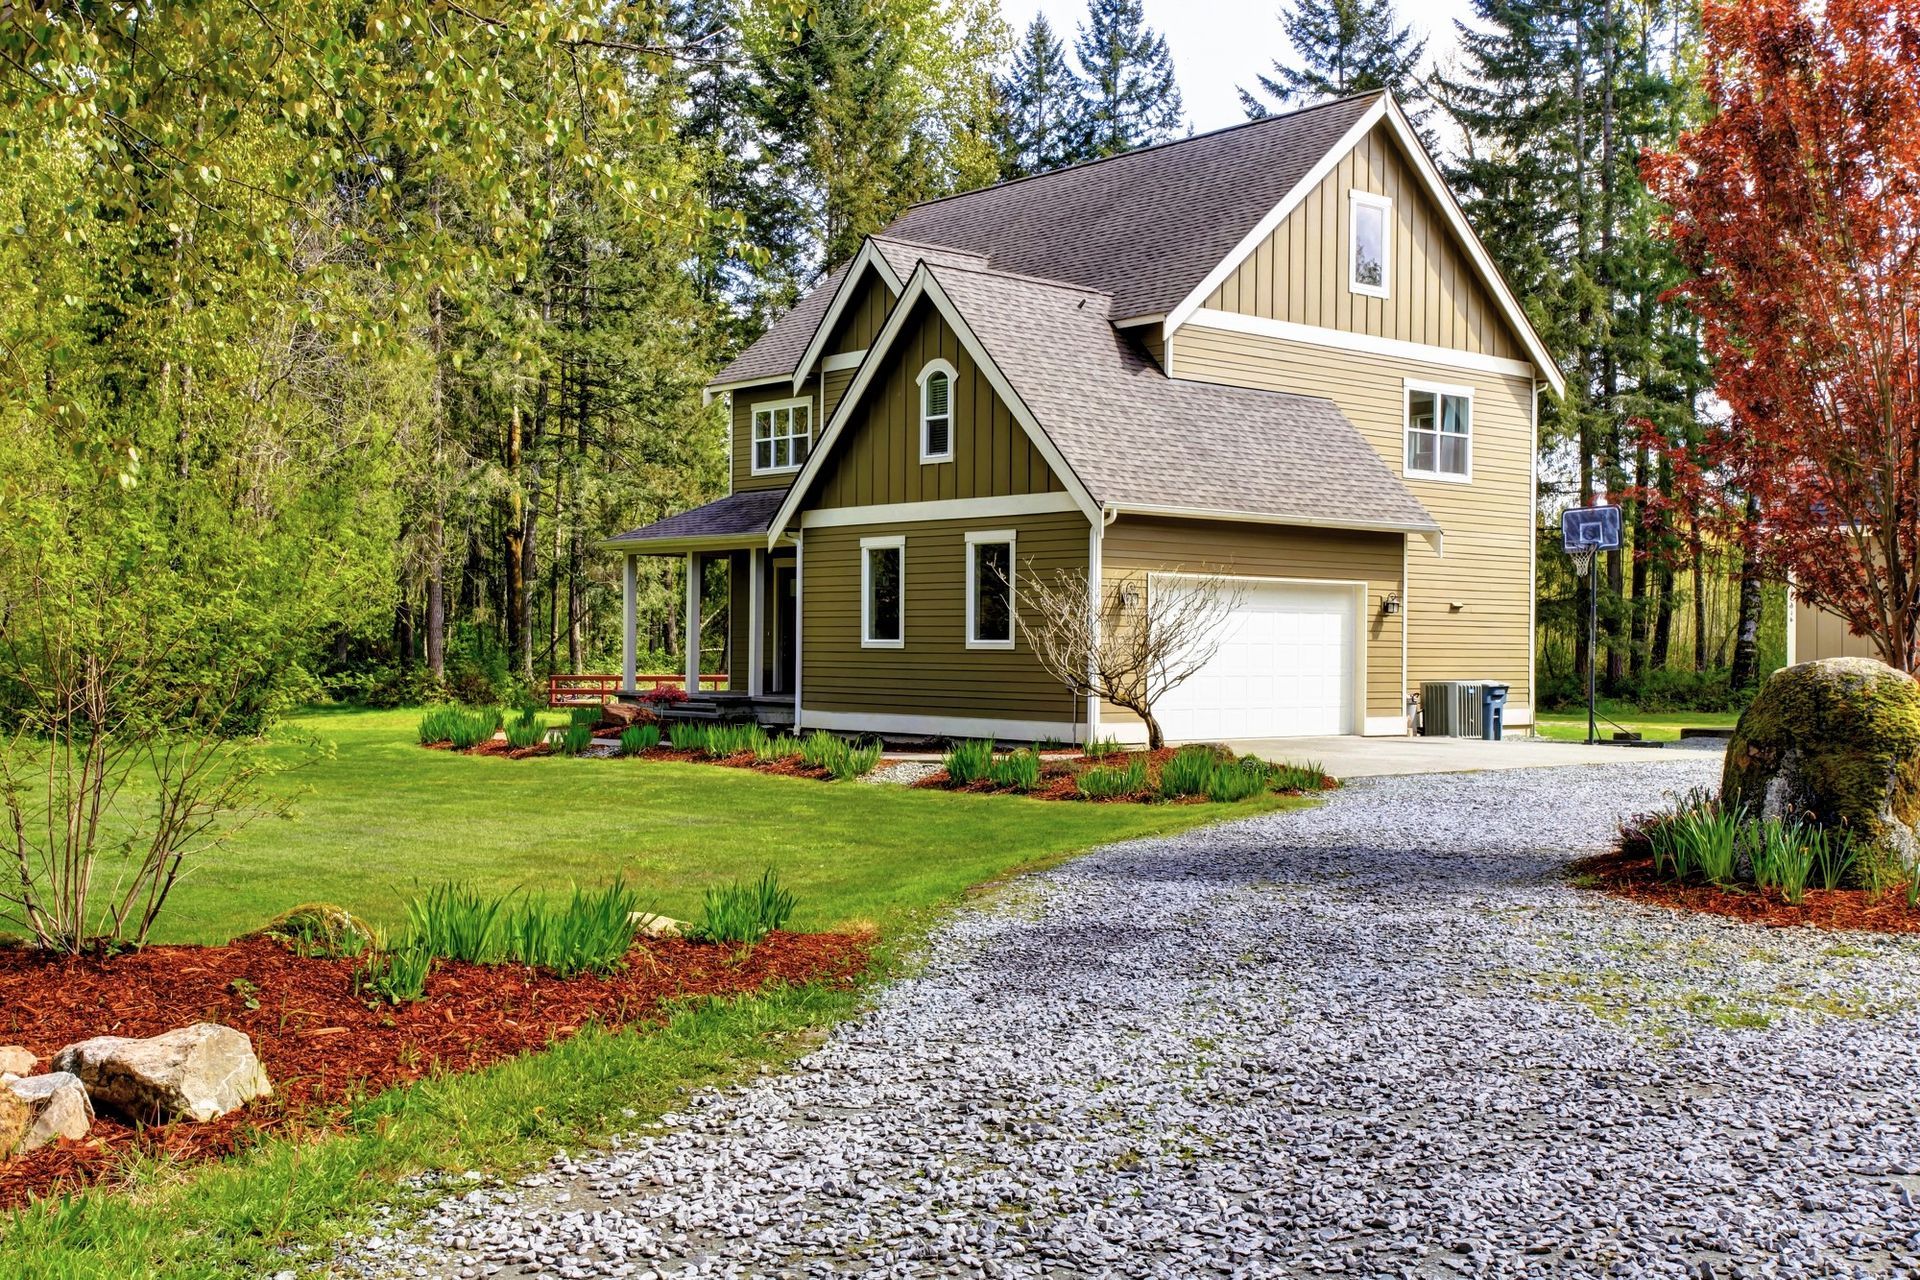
(1379, 1037)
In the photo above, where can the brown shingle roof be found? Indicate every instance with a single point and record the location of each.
(1135, 437)
(1146, 226)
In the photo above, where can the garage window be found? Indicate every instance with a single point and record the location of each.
(990, 590)
(883, 592)
(1439, 431)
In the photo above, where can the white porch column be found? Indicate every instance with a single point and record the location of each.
(695, 564)
(629, 623)
(756, 618)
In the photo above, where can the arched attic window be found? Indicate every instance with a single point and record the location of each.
(936, 412)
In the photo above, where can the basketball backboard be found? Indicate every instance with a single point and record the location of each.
(1590, 529)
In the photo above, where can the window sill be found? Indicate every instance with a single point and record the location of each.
(1005, 646)
(927, 460)
(775, 471)
(1442, 477)
(1368, 291)
(882, 644)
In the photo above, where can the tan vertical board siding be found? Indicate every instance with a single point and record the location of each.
(1818, 633)
(1299, 272)
(878, 453)
(744, 398)
(934, 673)
(1138, 544)
(1487, 567)
(860, 323)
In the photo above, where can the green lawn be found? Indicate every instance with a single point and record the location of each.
(1654, 725)
(382, 813)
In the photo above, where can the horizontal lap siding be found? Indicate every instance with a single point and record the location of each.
(834, 385)
(1135, 545)
(1299, 272)
(935, 673)
(877, 456)
(1487, 568)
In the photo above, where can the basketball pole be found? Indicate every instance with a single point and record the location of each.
(1593, 648)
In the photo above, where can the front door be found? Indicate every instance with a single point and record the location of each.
(786, 618)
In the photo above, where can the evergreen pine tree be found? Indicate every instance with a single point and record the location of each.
(1343, 47)
(1040, 97)
(1129, 97)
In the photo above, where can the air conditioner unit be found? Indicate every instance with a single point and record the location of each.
(1450, 709)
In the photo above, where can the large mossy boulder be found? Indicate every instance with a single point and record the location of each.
(1836, 742)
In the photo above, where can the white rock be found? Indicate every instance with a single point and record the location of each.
(652, 926)
(16, 1061)
(57, 1107)
(199, 1072)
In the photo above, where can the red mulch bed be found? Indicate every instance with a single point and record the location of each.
(324, 1046)
(1628, 873)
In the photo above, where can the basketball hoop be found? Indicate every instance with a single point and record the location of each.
(1584, 533)
(1582, 558)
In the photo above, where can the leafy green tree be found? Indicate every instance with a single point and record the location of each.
(1342, 47)
(1042, 101)
(1129, 96)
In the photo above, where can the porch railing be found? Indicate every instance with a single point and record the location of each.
(588, 690)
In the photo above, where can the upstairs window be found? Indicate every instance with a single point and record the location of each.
(883, 592)
(990, 590)
(782, 435)
(1369, 243)
(1439, 431)
(936, 412)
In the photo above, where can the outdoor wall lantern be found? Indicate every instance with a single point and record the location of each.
(1390, 603)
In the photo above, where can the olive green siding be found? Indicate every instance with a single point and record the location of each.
(878, 453)
(744, 398)
(1435, 295)
(739, 619)
(1133, 545)
(834, 384)
(859, 324)
(934, 673)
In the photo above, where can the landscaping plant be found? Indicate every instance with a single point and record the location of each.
(1113, 782)
(1305, 778)
(589, 932)
(525, 732)
(687, 736)
(968, 761)
(1018, 770)
(1188, 772)
(782, 746)
(578, 739)
(396, 975)
(743, 913)
(457, 921)
(1233, 782)
(438, 724)
(468, 727)
(1101, 748)
(638, 738)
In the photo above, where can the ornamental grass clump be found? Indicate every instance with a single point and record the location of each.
(743, 913)
(591, 931)
(691, 737)
(1101, 748)
(458, 921)
(854, 761)
(1703, 839)
(723, 740)
(577, 739)
(397, 975)
(1232, 782)
(968, 761)
(1017, 770)
(1113, 782)
(1188, 772)
(526, 732)
(635, 739)
(781, 746)
(438, 724)
(1304, 778)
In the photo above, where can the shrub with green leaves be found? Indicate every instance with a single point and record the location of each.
(968, 761)
(397, 975)
(590, 931)
(1113, 781)
(1188, 772)
(1017, 770)
(637, 738)
(458, 921)
(743, 913)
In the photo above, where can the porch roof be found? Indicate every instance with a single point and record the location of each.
(737, 520)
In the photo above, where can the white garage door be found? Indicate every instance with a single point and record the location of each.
(1284, 669)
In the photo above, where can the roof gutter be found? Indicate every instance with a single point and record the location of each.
(1427, 529)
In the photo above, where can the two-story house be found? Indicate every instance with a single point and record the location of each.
(1276, 351)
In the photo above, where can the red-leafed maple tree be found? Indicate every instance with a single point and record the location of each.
(1796, 209)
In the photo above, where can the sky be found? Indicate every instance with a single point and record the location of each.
(1219, 44)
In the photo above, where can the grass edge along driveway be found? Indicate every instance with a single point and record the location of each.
(283, 1201)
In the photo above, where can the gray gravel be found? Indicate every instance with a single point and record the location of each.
(1379, 1037)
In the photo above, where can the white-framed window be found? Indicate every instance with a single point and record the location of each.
(1439, 431)
(990, 589)
(936, 412)
(1369, 243)
(883, 593)
(782, 435)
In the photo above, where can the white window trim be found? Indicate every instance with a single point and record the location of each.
(953, 387)
(895, 543)
(974, 538)
(1411, 385)
(753, 442)
(1356, 201)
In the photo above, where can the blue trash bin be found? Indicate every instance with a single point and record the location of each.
(1493, 711)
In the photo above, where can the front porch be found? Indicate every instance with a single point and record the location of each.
(739, 610)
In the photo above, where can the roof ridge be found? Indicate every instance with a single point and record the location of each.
(926, 244)
(1051, 282)
(1137, 151)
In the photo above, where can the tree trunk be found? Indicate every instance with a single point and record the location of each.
(1156, 740)
(1699, 606)
(1746, 647)
(1663, 576)
(1611, 621)
(515, 557)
